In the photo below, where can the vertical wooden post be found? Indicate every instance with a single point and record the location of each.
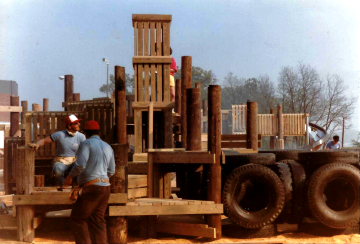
(24, 186)
(24, 105)
(280, 121)
(68, 89)
(214, 146)
(178, 96)
(117, 226)
(193, 103)
(272, 138)
(14, 117)
(46, 104)
(251, 126)
(36, 107)
(186, 80)
(205, 113)
(76, 97)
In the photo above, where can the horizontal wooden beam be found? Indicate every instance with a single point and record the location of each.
(165, 210)
(137, 167)
(140, 157)
(8, 221)
(137, 181)
(152, 60)
(166, 150)
(11, 109)
(236, 137)
(186, 229)
(202, 157)
(60, 198)
(137, 193)
(151, 18)
(236, 144)
(157, 105)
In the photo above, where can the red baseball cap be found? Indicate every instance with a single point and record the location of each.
(92, 125)
(71, 119)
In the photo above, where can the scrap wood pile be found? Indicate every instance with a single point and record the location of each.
(286, 186)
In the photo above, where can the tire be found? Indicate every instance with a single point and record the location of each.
(284, 173)
(283, 154)
(319, 158)
(239, 159)
(299, 186)
(263, 200)
(234, 231)
(318, 229)
(333, 195)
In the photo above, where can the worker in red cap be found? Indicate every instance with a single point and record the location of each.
(95, 164)
(67, 144)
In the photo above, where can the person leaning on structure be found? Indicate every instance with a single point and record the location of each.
(334, 144)
(67, 144)
(94, 165)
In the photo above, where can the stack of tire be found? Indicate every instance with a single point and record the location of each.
(284, 186)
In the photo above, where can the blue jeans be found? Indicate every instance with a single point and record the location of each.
(59, 170)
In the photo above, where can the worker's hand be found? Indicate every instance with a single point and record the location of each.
(67, 181)
(33, 146)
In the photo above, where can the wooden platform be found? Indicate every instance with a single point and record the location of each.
(157, 206)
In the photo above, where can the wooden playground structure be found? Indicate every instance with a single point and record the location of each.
(141, 186)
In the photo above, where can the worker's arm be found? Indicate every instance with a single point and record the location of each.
(111, 168)
(40, 143)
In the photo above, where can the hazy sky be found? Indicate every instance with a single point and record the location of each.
(42, 40)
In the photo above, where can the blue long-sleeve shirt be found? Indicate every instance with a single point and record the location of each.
(95, 159)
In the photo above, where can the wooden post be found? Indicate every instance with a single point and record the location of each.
(46, 104)
(39, 180)
(251, 126)
(117, 226)
(24, 105)
(214, 146)
(36, 107)
(280, 121)
(14, 117)
(120, 105)
(186, 80)
(76, 97)
(272, 138)
(68, 89)
(178, 96)
(193, 103)
(24, 186)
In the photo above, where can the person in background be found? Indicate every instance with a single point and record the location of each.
(67, 144)
(173, 70)
(94, 165)
(334, 144)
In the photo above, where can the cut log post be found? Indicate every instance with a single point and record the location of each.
(68, 89)
(186, 80)
(36, 107)
(214, 146)
(193, 103)
(24, 105)
(251, 126)
(76, 97)
(24, 186)
(46, 104)
(39, 181)
(14, 117)
(117, 227)
(272, 138)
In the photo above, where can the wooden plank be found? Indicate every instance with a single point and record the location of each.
(236, 144)
(135, 39)
(12, 109)
(151, 126)
(37, 220)
(166, 150)
(235, 137)
(157, 105)
(150, 175)
(165, 210)
(152, 60)
(183, 157)
(47, 146)
(140, 84)
(137, 181)
(167, 185)
(146, 73)
(153, 82)
(52, 130)
(136, 82)
(138, 130)
(160, 83)
(140, 27)
(140, 157)
(62, 198)
(151, 17)
(186, 229)
(8, 221)
(146, 38)
(166, 82)
(137, 192)
(108, 123)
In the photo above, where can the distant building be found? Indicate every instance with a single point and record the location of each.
(7, 88)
